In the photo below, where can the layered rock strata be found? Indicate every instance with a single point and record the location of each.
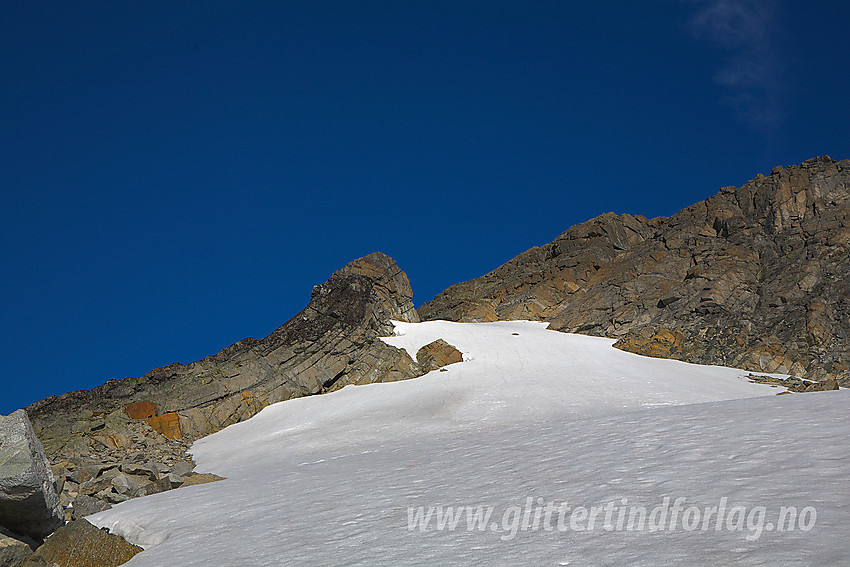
(129, 437)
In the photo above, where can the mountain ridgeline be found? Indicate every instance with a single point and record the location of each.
(756, 277)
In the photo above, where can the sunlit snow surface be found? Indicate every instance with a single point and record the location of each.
(530, 413)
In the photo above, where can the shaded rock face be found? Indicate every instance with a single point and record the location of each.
(81, 544)
(151, 420)
(14, 549)
(29, 503)
(756, 277)
(85, 505)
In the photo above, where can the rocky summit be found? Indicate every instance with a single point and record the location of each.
(756, 277)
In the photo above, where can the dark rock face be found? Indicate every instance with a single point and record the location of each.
(85, 505)
(14, 549)
(756, 277)
(331, 343)
(29, 503)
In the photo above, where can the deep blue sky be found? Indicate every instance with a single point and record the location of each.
(176, 176)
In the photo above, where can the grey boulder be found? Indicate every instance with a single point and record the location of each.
(29, 504)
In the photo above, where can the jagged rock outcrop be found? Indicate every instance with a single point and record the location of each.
(29, 503)
(92, 436)
(756, 277)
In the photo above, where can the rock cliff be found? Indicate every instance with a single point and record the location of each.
(128, 437)
(756, 277)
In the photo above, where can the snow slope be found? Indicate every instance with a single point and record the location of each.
(530, 413)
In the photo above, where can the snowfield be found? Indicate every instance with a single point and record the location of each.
(566, 441)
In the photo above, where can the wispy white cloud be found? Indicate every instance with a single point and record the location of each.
(747, 31)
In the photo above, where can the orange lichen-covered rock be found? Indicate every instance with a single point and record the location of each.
(167, 424)
(140, 410)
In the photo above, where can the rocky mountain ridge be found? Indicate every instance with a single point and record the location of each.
(756, 277)
(129, 437)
